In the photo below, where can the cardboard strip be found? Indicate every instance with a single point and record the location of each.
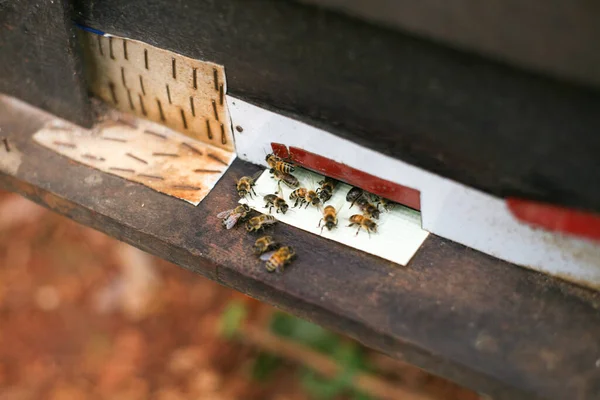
(143, 152)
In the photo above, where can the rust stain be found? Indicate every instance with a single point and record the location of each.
(56, 203)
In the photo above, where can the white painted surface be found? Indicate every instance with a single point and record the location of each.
(448, 209)
(398, 237)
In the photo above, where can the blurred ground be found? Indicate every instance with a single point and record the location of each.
(83, 316)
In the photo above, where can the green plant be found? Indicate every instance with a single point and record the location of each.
(232, 319)
(347, 354)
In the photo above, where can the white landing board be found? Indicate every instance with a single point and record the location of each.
(399, 234)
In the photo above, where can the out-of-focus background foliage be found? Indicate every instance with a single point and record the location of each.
(83, 316)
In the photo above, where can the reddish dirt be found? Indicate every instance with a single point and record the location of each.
(83, 316)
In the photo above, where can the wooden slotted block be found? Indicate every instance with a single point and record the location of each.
(184, 94)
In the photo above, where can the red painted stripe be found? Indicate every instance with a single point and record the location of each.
(555, 218)
(280, 150)
(390, 190)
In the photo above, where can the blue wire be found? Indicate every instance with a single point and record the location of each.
(88, 29)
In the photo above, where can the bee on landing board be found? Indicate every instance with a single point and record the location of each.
(312, 198)
(290, 180)
(368, 208)
(361, 198)
(245, 186)
(329, 218)
(278, 259)
(271, 159)
(276, 163)
(386, 204)
(283, 167)
(353, 195)
(231, 217)
(279, 203)
(304, 196)
(326, 190)
(363, 222)
(257, 223)
(264, 244)
(298, 196)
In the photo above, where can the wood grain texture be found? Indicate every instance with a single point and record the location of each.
(492, 326)
(499, 129)
(39, 58)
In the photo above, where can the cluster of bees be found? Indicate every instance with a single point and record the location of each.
(276, 255)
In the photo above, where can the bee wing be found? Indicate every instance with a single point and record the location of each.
(313, 182)
(267, 255)
(372, 197)
(223, 214)
(257, 175)
(339, 205)
(262, 194)
(232, 220)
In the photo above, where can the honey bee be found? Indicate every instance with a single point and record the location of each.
(271, 159)
(368, 208)
(363, 222)
(298, 196)
(304, 196)
(375, 198)
(245, 186)
(312, 198)
(264, 244)
(278, 259)
(386, 204)
(329, 218)
(283, 167)
(354, 194)
(257, 223)
(279, 203)
(326, 190)
(289, 179)
(231, 217)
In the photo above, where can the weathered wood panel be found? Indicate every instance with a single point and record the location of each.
(495, 327)
(39, 58)
(499, 129)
